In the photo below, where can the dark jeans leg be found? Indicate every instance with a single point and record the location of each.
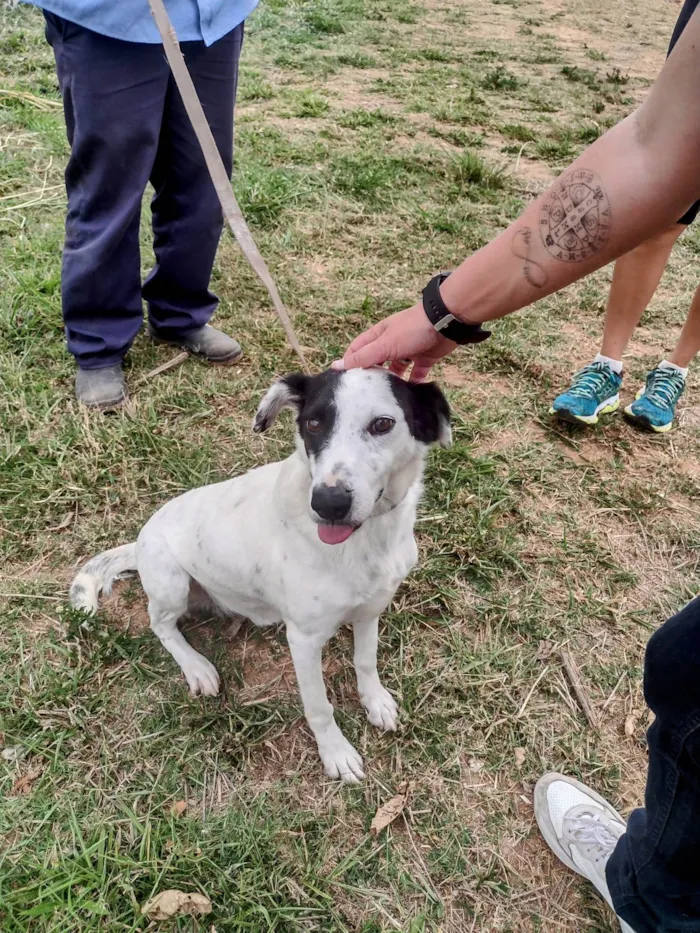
(187, 218)
(654, 873)
(114, 94)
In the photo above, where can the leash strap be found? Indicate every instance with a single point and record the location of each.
(217, 170)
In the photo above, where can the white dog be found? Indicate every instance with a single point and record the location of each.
(258, 545)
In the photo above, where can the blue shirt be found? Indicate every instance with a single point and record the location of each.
(194, 20)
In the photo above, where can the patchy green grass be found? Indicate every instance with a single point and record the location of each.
(500, 79)
(357, 129)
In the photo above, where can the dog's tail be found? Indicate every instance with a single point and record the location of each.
(98, 575)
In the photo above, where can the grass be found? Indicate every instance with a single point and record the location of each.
(581, 75)
(376, 143)
(361, 118)
(500, 79)
(470, 170)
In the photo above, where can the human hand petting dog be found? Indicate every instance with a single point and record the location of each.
(406, 339)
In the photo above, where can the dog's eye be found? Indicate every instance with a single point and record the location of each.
(381, 426)
(313, 425)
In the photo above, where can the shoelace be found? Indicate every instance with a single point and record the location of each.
(589, 380)
(593, 829)
(663, 387)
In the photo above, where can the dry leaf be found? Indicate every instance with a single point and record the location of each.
(545, 650)
(388, 812)
(65, 522)
(631, 724)
(24, 784)
(178, 808)
(174, 903)
(520, 755)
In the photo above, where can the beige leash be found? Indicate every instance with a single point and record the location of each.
(217, 170)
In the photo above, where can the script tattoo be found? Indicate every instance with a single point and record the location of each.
(575, 217)
(521, 246)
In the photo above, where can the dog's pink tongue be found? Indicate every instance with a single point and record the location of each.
(334, 534)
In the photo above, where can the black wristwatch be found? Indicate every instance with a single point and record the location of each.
(444, 322)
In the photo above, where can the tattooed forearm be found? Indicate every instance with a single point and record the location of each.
(575, 217)
(521, 245)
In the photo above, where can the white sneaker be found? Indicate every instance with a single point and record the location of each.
(580, 827)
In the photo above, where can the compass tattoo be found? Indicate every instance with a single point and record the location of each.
(575, 217)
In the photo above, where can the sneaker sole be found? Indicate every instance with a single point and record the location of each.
(541, 806)
(605, 408)
(645, 424)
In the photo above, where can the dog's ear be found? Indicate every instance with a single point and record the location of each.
(287, 392)
(433, 421)
(426, 411)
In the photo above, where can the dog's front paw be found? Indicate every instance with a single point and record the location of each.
(382, 710)
(340, 760)
(201, 676)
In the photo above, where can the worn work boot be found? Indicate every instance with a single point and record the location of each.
(208, 342)
(101, 388)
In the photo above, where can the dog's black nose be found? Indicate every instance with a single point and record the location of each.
(331, 503)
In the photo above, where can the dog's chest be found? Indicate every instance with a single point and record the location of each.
(357, 587)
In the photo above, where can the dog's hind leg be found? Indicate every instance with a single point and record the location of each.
(167, 586)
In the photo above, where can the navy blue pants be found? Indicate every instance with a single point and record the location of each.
(127, 126)
(654, 872)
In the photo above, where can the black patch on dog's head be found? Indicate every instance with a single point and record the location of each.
(425, 409)
(314, 399)
(318, 404)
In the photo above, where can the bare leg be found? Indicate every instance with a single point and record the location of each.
(689, 341)
(381, 707)
(339, 758)
(635, 279)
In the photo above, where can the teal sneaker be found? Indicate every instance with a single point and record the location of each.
(594, 391)
(655, 405)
